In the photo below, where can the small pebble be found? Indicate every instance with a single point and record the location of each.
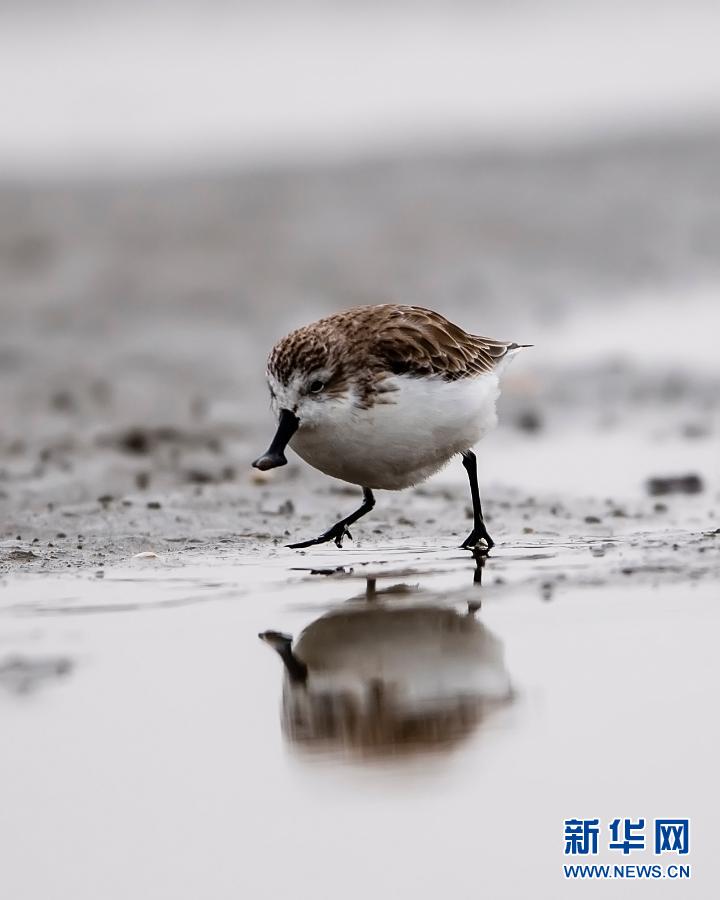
(675, 484)
(529, 420)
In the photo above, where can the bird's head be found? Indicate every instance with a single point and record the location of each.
(308, 381)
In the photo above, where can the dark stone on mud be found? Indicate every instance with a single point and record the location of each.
(674, 484)
(593, 520)
(529, 421)
(199, 476)
(140, 441)
(154, 504)
(22, 555)
(135, 441)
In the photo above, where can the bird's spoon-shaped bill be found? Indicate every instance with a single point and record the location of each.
(274, 456)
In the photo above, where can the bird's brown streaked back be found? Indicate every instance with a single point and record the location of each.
(390, 338)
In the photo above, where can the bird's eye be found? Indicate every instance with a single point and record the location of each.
(316, 387)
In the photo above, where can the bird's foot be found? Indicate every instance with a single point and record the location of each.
(336, 534)
(472, 541)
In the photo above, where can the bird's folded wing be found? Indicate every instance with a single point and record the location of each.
(411, 340)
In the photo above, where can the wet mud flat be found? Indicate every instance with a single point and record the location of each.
(137, 315)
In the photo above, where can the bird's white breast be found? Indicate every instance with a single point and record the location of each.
(419, 425)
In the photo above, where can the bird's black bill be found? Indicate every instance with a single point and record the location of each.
(274, 456)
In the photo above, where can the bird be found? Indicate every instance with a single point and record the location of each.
(382, 397)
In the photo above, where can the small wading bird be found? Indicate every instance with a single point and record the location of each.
(382, 397)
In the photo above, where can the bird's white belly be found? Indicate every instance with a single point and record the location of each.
(400, 442)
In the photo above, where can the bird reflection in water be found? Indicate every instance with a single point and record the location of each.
(386, 677)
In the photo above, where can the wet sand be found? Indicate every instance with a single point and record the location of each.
(145, 716)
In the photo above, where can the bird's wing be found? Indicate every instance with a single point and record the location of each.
(411, 340)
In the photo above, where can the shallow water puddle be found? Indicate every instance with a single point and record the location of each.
(433, 748)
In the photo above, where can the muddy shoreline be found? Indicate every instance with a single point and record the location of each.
(137, 316)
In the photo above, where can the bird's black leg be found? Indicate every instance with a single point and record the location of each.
(340, 529)
(479, 531)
